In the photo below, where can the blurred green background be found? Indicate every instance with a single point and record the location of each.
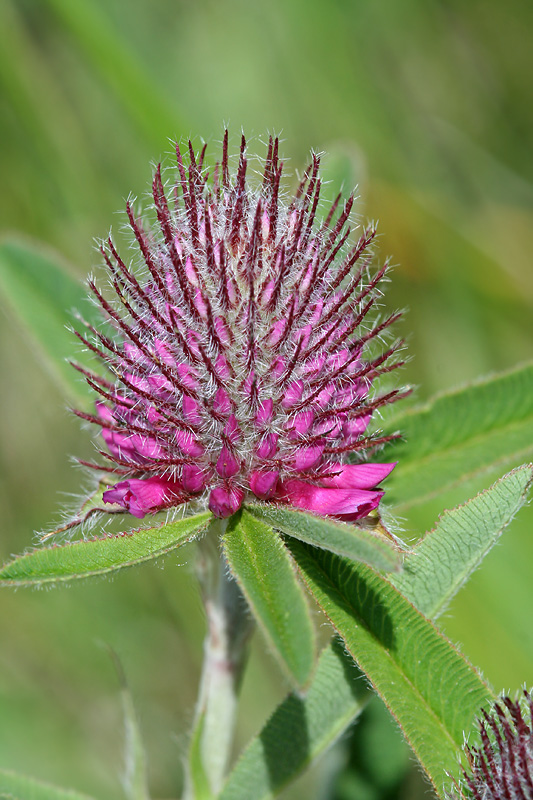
(427, 106)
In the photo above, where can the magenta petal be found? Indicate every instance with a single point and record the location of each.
(104, 412)
(222, 402)
(293, 394)
(227, 465)
(193, 478)
(308, 457)
(265, 411)
(222, 330)
(277, 331)
(122, 446)
(267, 446)
(303, 421)
(263, 484)
(355, 427)
(356, 476)
(342, 503)
(187, 375)
(188, 444)
(225, 501)
(164, 353)
(140, 497)
(146, 447)
(268, 292)
(191, 410)
(232, 429)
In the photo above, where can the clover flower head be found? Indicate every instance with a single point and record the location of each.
(242, 359)
(502, 767)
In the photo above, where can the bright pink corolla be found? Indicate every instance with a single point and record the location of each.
(239, 367)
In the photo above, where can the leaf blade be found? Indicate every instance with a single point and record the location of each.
(300, 729)
(264, 570)
(340, 538)
(252, 761)
(460, 434)
(100, 556)
(430, 689)
(445, 557)
(199, 781)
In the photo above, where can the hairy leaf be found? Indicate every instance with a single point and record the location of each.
(352, 541)
(267, 577)
(300, 729)
(99, 556)
(447, 560)
(431, 690)
(459, 434)
(444, 559)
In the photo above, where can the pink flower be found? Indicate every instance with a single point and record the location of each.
(501, 766)
(141, 496)
(244, 355)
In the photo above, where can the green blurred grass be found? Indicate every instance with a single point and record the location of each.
(427, 105)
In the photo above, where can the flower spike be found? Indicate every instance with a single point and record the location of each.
(238, 368)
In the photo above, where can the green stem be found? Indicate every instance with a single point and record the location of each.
(229, 625)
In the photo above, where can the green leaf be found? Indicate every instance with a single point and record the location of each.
(300, 729)
(197, 776)
(21, 787)
(444, 559)
(433, 573)
(267, 577)
(99, 556)
(352, 541)
(431, 690)
(42, 293)
(460, 434)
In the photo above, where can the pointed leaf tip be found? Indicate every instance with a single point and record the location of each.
(99, 556)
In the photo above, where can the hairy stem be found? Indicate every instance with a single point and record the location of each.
(229, 625)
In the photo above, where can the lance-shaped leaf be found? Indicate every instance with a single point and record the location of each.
(42, 293)
(199, 787)
(267, 577)
(20, 787)
(352, 541)
(431, 690)
(100, 555)
(459, 434)
(444, 559)
(300, 729)
(451, 560)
